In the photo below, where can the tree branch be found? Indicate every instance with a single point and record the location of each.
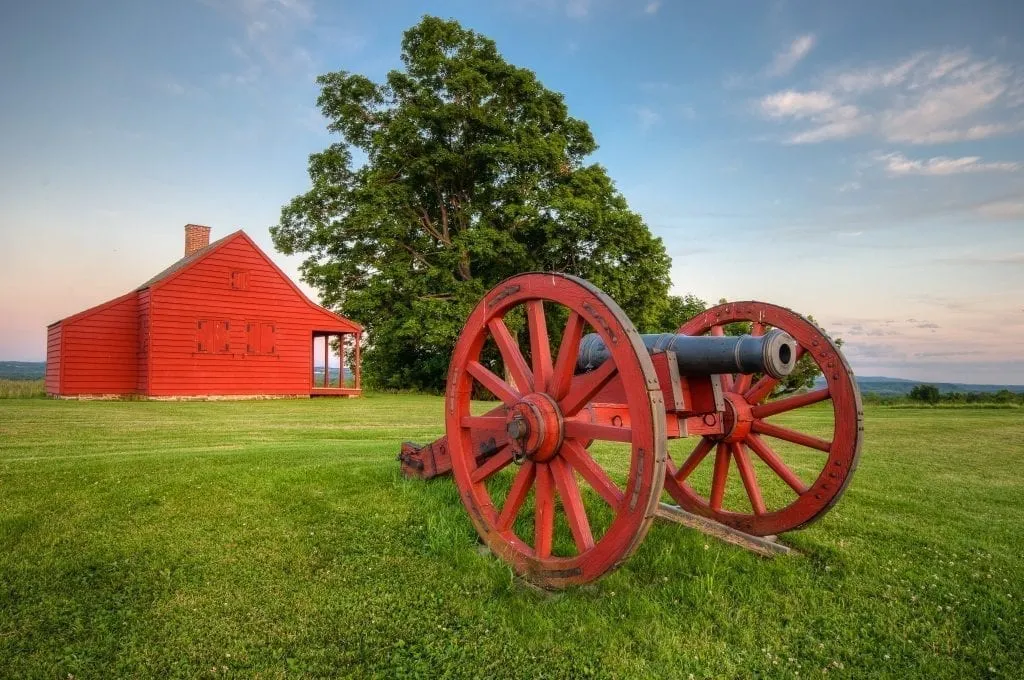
(415, 254)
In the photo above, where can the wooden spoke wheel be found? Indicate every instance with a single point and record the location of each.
(751, 435)
(540, 433)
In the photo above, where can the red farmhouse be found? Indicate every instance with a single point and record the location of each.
(223, 320)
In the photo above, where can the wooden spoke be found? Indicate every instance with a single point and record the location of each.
(516, 495)
(540, 348)
(515, 364)
(498, 387)
(565, 364)
(763, 387)
(525, 496)
(842, 416)
(703, 448)
(772, 408)
(586, 386)
(719, 478)
(742, 382)
(579, 429)
(772, 460)
(749, 478)
(779, 432)
(488, 423)
(572, 503)
(579, 458)
(492, 465)
(544, 512)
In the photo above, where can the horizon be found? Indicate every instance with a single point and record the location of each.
(861, 165)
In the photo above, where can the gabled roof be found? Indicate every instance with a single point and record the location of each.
(189, 261)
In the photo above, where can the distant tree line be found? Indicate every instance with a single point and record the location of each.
(930, 394)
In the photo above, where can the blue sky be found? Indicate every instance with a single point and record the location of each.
(859, 162)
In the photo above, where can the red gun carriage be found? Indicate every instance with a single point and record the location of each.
(545, 491)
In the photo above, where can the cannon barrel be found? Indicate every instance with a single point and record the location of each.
(773, 353)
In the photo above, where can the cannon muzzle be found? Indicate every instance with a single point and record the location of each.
(773, 353)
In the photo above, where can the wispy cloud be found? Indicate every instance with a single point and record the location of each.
(647, 117)
(653, 7)
(896, 164)
(829, 117)
(269, 38)
(1012, 258)
(1002, 210)
(789, 57)
(578, 9)
(927, 98)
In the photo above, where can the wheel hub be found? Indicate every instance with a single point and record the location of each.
(535, 428)
(737, 418)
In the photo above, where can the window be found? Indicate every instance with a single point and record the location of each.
(222, 336)
(213, 336)
(204, 335)
(260, 337)
(239, 280)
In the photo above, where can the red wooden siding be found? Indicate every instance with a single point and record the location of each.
(142, 382)
(214, 331)
(53, 358)
(99, 349)
(225, 321)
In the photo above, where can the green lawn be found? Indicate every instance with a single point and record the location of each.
(276, 538)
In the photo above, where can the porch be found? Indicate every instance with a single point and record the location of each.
(332, 354)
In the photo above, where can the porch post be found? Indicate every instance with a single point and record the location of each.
(359, 364)
(327, 354)
(341, 357)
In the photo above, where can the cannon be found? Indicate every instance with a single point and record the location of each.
(563, 436)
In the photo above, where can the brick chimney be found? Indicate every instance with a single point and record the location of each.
(197, 237)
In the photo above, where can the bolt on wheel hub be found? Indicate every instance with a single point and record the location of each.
(535, 428)
(737, 418)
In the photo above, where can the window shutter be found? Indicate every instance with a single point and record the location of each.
(204, 333)
(222, 336)
(251, 337)
(268, 338)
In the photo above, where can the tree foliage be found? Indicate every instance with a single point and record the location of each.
(471, 171)
(929, 394)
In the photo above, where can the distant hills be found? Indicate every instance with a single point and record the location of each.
(34, 370)
(22, 370)
(899, 386)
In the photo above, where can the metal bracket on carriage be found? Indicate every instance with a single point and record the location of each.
(693, 404)
(426, 461)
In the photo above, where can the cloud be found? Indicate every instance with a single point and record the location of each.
(653, 7)
(647, 117)
(896, 164)
(790, 103)
(1002, 210)
(1012, 258)
(578, 9)
(174, 88)
(269, 37)
(927, 98)
(849, 186)
(786, 59)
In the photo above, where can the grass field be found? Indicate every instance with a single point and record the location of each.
(276, 539)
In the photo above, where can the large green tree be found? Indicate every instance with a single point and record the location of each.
(457, 171)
